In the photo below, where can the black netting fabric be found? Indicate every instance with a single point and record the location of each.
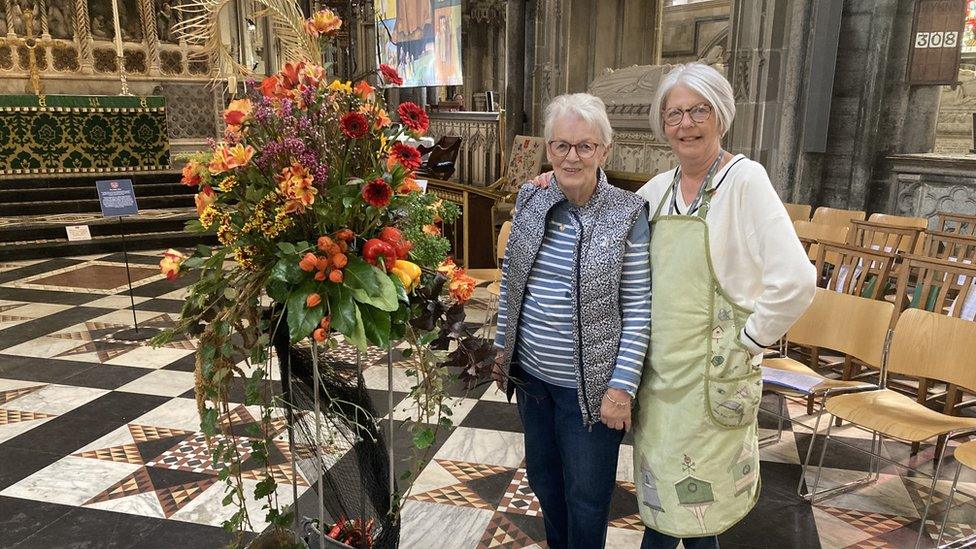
(355, 464)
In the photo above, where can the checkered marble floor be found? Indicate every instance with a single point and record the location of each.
(100, 443)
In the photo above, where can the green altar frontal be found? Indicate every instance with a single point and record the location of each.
(71, 134)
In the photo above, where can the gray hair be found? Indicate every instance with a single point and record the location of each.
(589, 108)
(703, 80)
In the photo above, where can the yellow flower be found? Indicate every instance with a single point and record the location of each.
(340, 86)
(209, 216)
(227, 184)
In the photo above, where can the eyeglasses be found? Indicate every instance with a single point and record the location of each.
(584, 150)
(699, 113)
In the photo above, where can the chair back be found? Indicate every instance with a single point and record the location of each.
(503, 233)
(936, 285)
(899, 220)
(836, 216)
(950, 246)
(880, 236)
(855, 271)
(445, 150)
(798, 212)
(934, 346)
(853, 325)
(956, 223)
(810, 234)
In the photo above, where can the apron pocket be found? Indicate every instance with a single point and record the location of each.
(732, 403)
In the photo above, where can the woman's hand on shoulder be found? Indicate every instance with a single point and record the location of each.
(615, 409)
(542, 180)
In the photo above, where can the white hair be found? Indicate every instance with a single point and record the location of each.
(588, 108)
(703, 80)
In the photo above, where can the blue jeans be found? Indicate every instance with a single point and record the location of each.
(571, 468)
(656, 540)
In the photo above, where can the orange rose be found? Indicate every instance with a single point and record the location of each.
(204, 198)
(191, 174)
(171, 262)
(238, 112)
(461, 286)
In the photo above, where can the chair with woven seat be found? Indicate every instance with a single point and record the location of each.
(965, 455)
(836, 216)
(923, 344)
(855, 326)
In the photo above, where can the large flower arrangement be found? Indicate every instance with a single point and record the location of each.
(312, 198)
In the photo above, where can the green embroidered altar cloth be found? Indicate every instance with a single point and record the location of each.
(72, 134)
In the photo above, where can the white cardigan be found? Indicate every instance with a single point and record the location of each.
(756, 254)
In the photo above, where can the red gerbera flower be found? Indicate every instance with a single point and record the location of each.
(377, 193)
(390, 75)
(413, 117)
(406, 155)
(354, 124)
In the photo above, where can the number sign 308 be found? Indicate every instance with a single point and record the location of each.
(946, 39)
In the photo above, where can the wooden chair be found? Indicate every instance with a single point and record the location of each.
(855, 326)
(950, 246)
(855, 270)
(956, 223)
(924, 344)
(798, 212)
(493, 276)
(443, 157)
(881, 236)
(835, 216)
(810, 234)
(942, 287)
(904, 221)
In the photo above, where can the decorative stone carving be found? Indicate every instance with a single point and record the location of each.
(147, 14)
(478, 159)
(65, 59)
(84, 36)
(189, 111)
(955, 122)
(926, 184)
(61, 19)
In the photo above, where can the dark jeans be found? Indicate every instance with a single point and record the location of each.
(572, 469)
(656, 540)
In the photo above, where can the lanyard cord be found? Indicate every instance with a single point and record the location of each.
(706, 182)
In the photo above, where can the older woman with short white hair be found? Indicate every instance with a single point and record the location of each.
(729, 278)
(573, 322)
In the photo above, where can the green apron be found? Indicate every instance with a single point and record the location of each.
(696, 455)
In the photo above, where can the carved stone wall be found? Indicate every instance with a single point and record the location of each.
(479, 159)
(956, 107)
(926, 184)
(691, 28)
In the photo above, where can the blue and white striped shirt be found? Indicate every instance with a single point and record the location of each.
(545, 332)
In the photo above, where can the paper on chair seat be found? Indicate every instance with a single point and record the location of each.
(791, 380)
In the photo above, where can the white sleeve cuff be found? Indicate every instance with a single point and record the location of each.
(749, 344)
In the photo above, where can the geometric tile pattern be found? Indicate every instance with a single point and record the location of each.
(519, 498)
(8, 417)
(872, 523)
(502, 533)
(127, 453)
(156, 462)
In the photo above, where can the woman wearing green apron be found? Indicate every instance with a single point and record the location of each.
(729, 277)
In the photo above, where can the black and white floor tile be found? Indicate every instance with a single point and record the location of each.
(100, 443)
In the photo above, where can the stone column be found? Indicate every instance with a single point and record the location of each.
(42, 13)
(147, 11)
(515, 62)
(8, 14)
(84, 37)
